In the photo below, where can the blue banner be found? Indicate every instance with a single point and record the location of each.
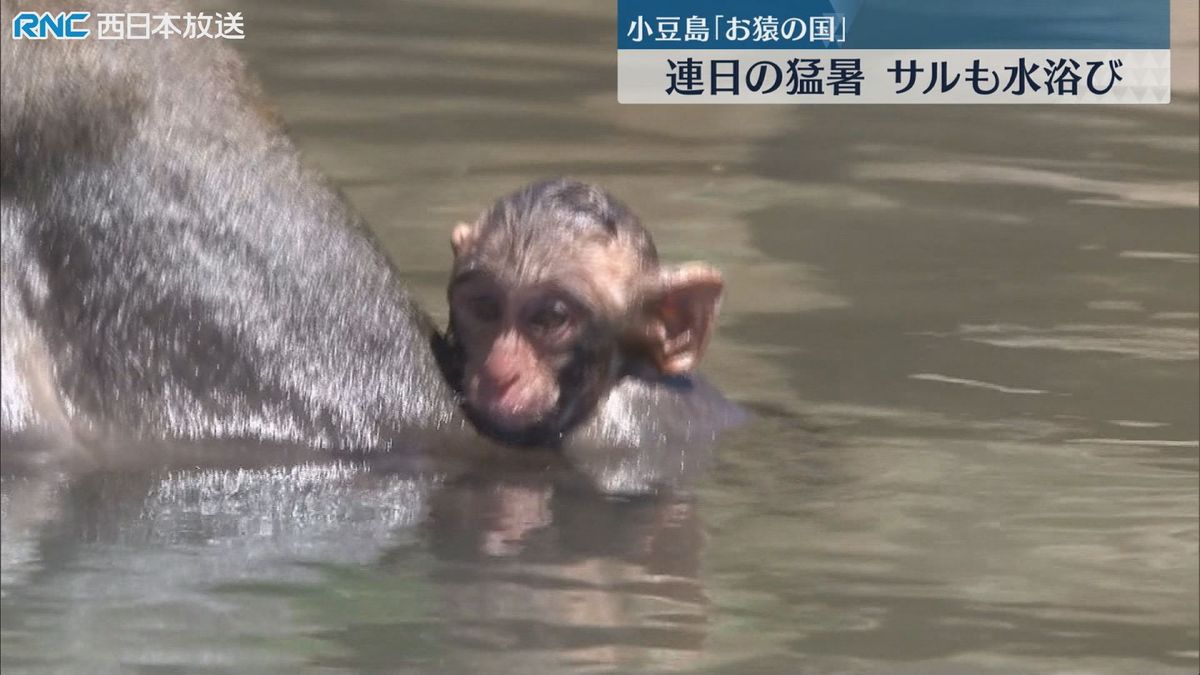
(893, 24)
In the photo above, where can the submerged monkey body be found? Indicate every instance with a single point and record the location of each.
(186, 276)
(170, 270)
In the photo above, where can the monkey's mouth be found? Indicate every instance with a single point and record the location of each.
(507, 417)
(510, 409)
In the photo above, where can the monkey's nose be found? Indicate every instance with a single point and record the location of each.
(501, 383)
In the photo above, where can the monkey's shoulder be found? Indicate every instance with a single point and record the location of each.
(660, 411)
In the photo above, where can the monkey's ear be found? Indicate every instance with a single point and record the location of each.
(683, 312)
(461, 239)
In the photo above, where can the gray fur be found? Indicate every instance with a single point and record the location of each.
(171, 271)
(524, 232)
(186, 276)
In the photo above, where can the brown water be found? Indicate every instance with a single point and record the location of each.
(969, 336)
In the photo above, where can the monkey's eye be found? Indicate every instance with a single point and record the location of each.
(550, 316)
(484, 308)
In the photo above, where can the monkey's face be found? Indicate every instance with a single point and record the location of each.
(535, 359)
(556, 291)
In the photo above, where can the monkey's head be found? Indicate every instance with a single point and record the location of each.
(556, 293)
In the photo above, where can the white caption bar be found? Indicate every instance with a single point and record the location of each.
(978, 76)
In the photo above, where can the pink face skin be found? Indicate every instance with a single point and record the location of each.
(516, 342)
(564, 317)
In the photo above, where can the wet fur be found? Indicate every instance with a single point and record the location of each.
(173, 272)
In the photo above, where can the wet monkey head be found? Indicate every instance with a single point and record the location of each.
(557, 293)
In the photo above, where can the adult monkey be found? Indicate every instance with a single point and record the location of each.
(170, 270)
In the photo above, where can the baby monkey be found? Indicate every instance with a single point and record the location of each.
(556, 294)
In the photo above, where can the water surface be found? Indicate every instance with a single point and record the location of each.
(968, 335)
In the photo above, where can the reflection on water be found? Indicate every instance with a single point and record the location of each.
(344, 565)
(969, 336)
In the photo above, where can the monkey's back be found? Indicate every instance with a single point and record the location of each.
(170, 269)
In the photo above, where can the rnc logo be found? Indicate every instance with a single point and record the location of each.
(40, 25)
